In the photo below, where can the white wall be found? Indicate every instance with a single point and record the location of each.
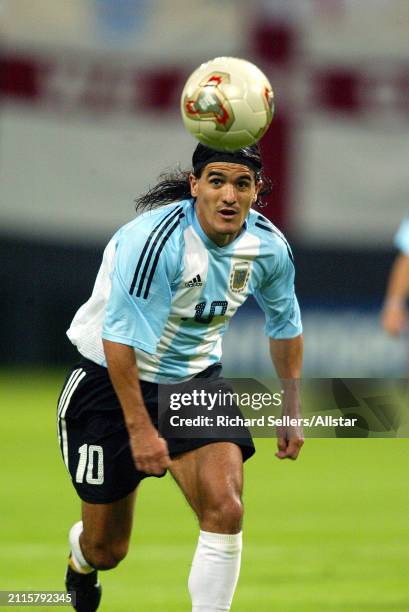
(353, 181)
(77, 180)
(74, 173)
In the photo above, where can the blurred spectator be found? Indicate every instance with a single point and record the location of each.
(394, 313)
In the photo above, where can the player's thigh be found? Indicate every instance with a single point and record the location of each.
(210, 475)
(109, 523)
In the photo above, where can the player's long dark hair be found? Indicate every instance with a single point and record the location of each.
(174, 185)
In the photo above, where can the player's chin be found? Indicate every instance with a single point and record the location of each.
(228, 226)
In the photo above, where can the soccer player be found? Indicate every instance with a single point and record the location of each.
(394, 312)
(169, 282)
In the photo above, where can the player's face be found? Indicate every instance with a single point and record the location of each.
(224, 194)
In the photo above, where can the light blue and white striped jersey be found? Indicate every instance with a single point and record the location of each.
(169, 291)
(402, 237)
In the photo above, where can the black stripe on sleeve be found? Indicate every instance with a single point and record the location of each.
(158, 252)
(272, 231)
(153, 246)
(173, 213)
(264, 227)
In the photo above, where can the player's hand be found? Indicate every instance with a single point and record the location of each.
(150, 451)
(394, 318)
(289, 442)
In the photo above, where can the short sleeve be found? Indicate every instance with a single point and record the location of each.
(277, 298)
(140, 298)
(402, 237)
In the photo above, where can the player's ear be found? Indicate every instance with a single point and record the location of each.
(259, 185)
(193, 180)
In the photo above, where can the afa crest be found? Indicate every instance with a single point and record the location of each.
(239, 276)
(209, 103)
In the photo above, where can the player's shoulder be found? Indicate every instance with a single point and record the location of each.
(272, 239)
(160, 224)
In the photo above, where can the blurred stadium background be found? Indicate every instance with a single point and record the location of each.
(89, 118)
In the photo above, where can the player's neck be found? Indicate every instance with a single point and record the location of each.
(220, 239)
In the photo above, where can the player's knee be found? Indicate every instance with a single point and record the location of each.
(225, 517)
(232, 514)
(105, 557)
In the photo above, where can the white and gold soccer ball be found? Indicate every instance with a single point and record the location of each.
(227, 103)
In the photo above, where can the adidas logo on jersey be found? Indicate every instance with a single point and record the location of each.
(195, 282)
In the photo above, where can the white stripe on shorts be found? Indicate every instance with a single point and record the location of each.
(66, 390)
(71, 386)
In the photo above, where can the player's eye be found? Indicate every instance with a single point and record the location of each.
(215, 181)
(244, 184)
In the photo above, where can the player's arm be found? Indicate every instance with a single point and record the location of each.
(135, 319)
(287, 359)
(277, 299)
(394, 312)
(149, 451)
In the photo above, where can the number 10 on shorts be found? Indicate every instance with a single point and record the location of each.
(91, 457)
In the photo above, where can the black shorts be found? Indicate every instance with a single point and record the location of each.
(94, 439)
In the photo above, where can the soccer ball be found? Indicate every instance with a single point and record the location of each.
(227, 103)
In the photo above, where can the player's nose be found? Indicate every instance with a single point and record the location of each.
(229, 194)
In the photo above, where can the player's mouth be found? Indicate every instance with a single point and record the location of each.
(228, 213)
